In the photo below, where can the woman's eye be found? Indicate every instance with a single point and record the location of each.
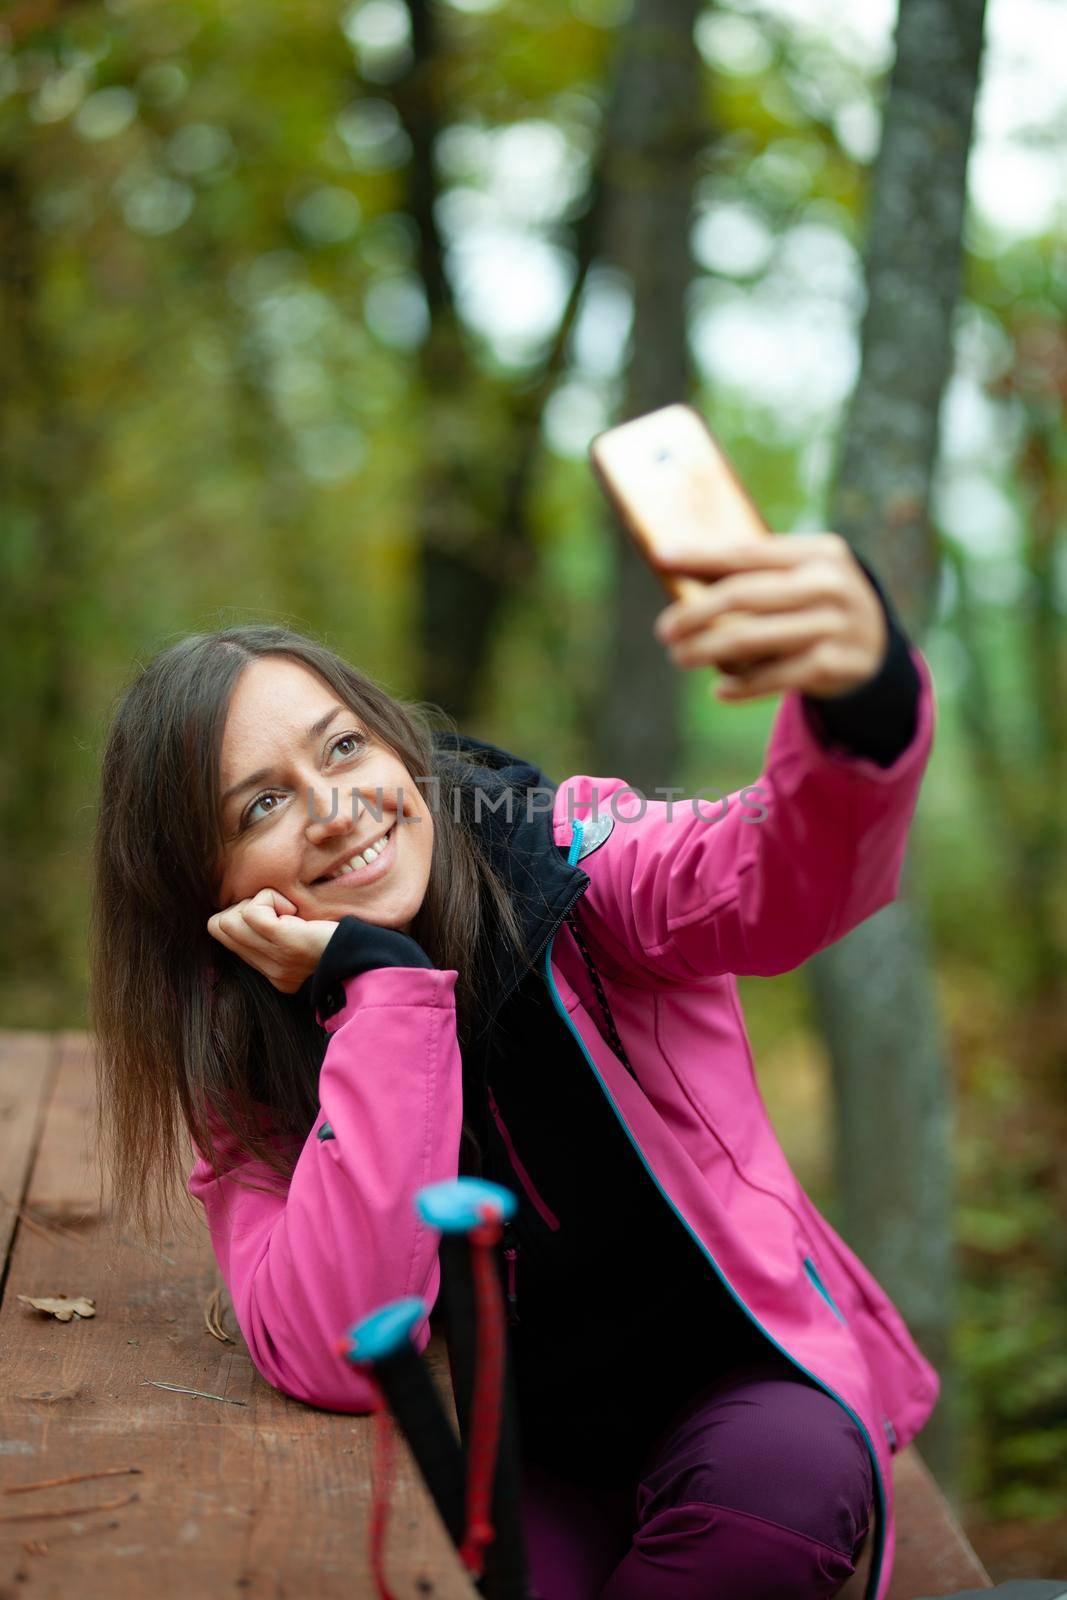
(358, 739)
(347, 737)
(248, 816)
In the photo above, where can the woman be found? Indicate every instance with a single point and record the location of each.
(537, 984)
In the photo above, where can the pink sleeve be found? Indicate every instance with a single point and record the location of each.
(305, 1262)
(691, 890)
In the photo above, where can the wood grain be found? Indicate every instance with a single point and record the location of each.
(27, 1071)
(265, 1498)
(934, 1555)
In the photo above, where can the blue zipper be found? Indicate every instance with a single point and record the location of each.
(876, 1563)
(813, 1273)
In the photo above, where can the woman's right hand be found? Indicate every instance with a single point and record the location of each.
(266, 933)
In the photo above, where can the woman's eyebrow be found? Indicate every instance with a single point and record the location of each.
(265, 772)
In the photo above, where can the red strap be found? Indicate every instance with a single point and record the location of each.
(382, 1465)
(487, 1399)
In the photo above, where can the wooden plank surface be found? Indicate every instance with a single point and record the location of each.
(934, 1555)
(266, 1497)
(27, 1072)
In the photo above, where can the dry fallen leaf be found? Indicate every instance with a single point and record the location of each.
(61, 1306)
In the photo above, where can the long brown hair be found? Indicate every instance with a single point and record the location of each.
(176, 1052)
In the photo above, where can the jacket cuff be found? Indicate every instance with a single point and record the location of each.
(878, 719)
(357, 946)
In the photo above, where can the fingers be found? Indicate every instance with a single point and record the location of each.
(248, 925)
(824, 669)
(271, 897)
(776, 590)
(233, 929)
(218, 932)
(792, 612)
(779, 550)
(267, 933)
(741, 640)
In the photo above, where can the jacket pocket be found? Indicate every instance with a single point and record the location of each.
(544, 1211)
(813, 1273)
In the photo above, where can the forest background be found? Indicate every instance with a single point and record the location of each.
(308, 312)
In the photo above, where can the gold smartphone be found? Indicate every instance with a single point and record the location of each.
(667, 477)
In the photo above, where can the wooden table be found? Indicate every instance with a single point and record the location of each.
(257, 1498)
(265, 1497)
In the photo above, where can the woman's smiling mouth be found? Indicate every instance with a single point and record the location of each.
(365, 868)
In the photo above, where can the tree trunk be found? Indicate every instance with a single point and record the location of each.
(1036, 837)
(874, 989)
(477, 454)
(653, 134)
(43, 455)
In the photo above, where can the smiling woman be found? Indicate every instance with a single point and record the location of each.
(330, 796)
(255, 790)
(286, 926)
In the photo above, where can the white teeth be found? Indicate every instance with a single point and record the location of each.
(366, 858)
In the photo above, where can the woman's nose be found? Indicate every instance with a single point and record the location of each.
(330, 811)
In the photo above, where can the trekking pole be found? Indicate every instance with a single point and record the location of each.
(383, 1344)
(469, 1213)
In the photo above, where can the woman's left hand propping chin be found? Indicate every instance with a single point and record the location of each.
(792, 611)
(266, 932)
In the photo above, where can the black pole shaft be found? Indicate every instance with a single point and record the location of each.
(504, 1577)
(415, 1403)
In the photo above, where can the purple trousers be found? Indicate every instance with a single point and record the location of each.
(758, 1488)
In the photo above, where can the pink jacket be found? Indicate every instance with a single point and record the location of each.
(676, 907)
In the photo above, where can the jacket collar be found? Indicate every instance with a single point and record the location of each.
(516, 836)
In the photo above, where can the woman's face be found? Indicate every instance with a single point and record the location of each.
(306, 773)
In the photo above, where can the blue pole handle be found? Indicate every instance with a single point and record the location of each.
(454, 1205)
(384, 1342)
(383, 1332)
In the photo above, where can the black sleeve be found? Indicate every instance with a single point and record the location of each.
(357, 946)
(878, 718)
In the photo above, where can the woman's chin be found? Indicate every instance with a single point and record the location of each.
(332, 907)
